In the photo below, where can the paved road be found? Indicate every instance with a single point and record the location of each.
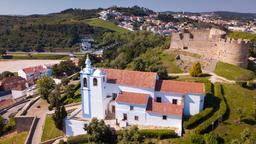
(13, 110)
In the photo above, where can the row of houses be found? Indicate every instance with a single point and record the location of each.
(24, 84)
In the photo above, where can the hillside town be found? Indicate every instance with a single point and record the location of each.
(153, 24)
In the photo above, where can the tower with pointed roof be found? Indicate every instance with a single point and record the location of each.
(92, 91)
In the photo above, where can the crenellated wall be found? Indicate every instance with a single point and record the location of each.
(213, 44)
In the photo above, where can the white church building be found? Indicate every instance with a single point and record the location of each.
(135, 98)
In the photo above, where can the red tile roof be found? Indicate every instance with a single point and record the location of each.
(131, 78)
(35, 69)
(164, 108)
(132, 98)
(179, 87)
(11, 79)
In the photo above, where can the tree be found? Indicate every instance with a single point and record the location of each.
(196, 70)
(94, 59)
(45, 85)
(59, 115)
(2, 125)
(130, 135)
(100, 132)
(54, 97)
(65, 68)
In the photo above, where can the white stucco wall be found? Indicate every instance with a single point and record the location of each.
(193, 104)
(171, 121)
(74, 127)
(18, 94)
(139, 110)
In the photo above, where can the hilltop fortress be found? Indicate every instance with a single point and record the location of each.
(212, 44)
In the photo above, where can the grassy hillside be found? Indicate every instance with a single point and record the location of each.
(50, 131)
(233, 72)
(237, 98)
(105, 24)
(14, 139)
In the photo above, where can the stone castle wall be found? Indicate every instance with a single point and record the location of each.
(212, 44)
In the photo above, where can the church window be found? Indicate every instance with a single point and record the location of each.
(174, 101)
(158, 99)
(95, 82)
(85, 82)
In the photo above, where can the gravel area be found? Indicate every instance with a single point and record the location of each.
(15, 65)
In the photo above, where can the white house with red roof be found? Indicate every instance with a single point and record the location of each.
(34, 73)
(137, 98)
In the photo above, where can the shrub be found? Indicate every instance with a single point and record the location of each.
(79, 139)
(130, 134)
(198, 118)
(196, 70)
(203, 127)
(195, 139)
(158, 133)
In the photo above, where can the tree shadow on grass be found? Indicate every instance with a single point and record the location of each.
(249, 121)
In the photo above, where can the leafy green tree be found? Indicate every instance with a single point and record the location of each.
(196, 70)
(100, 132)
(45, 85)
(131, 135)
(59, 115)
(65, 68)
(2, 124)
(54, 97)
(211, 138)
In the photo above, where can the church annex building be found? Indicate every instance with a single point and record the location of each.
(134, 98)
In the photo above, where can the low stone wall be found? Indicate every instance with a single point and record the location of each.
(31, 131)
(51, 140)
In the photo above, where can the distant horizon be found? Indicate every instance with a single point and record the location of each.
(124, 7)
(43, 7)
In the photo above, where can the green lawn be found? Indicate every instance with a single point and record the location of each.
(105, 24)
(237, 97)
(15, 139)
(168, 61)
(50, 131)
(233, 72)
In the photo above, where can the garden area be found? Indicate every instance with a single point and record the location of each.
(50, 130)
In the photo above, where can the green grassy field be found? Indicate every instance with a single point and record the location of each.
(168, 61)
(15, 139)
(35, 56)
(237, 98)
(105, 24)
(233, 72)
(50, 131)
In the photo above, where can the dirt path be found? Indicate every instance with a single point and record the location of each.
(41, 114)
(15, 65)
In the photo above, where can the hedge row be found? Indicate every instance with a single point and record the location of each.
(79, 139)
(218, 115)
(158, 133)
(198, 118)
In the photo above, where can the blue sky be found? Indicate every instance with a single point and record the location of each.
(25, 7)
